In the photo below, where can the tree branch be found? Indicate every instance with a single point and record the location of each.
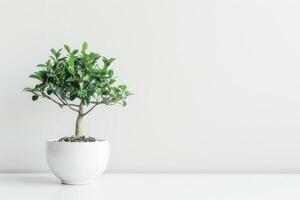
(91, 109)
(64, 103)
(70, 105)
(97, 102)
(48, 97)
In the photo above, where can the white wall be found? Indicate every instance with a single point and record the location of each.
(216, 83)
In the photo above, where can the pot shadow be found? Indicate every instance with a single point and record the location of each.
(32, 180)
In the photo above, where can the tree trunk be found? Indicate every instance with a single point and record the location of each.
(78, 129)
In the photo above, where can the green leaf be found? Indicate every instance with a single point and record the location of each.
(86, 77)
(86, 100)
(96, 56)
(110, 73)
(81, 85)
(52, 58)
(112, 81)
(49, 91)
(70, 89)
(34, 76)
(127, 93)
(53, 51)
(124, 103)
(41, 65)
(111, 60)
(123, 87)
(71, 70)
(105, 92)
(70, 79)
(28, 89)
(73, 96)
(60, 91)
(80, 74)
(67, 48)
(84, 46)
(35, 97)
(39, 75)
(58, 53)
(70, 66)
(71, 60)
(105, 61)
(74, 52)
(48, 63)
(81, 93)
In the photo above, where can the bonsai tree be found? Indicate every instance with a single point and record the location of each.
(79, 81)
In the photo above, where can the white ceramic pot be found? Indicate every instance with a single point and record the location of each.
(77, 162)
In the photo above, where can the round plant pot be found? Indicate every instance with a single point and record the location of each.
(77, 163)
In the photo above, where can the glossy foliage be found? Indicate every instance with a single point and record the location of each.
(72, 75)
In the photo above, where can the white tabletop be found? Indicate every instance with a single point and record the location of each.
(154, 186)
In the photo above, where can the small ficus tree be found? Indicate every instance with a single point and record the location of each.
(78, 80)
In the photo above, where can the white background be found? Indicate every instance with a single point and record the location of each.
(216, 83)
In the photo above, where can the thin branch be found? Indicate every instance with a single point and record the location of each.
(70, 106)
(60, 98)
(62, 101)
(97, 102)
(104, 102)
(66, 103)
(111, 104)
(91, 109)
(60, 104)
(48, 97)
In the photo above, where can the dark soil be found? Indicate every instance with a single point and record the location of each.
(83, 138)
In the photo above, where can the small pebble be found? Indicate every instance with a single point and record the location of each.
(82, 138)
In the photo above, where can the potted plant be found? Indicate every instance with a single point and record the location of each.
(79, 81)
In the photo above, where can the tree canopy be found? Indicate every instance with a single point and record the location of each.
(73, 78)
